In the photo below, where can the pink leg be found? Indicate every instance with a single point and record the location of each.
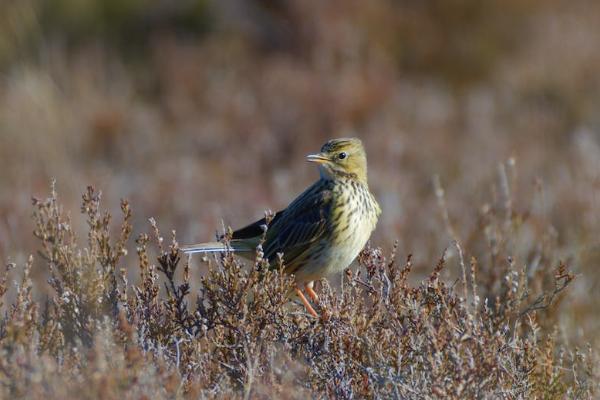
(309, 289)
(307, 305)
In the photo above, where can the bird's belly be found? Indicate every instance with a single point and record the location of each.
(340, 252)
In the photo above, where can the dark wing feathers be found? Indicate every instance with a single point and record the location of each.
(292, 231)
(303, 223)
(255, 229)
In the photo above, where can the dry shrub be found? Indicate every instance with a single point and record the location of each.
(100, 336)
(243, 103)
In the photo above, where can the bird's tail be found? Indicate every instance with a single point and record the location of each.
(217, 247)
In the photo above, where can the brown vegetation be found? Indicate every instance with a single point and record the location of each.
(99, 336)
(481, 125)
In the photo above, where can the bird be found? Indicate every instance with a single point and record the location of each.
(323, 230)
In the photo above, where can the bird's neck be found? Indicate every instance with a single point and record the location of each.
(331, 174)
(342, 177)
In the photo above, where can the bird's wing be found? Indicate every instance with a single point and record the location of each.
(255, 229)
(299, 226)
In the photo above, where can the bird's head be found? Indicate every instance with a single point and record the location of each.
(342, 158)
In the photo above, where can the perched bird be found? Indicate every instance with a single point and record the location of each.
(323, 230)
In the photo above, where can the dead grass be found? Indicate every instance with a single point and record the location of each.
(100, 336)
(481, 125)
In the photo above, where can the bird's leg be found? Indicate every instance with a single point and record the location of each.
(309, 289)
(307, 305)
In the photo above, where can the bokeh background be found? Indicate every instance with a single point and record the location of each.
(201, 112)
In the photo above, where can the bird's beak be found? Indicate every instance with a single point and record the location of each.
(317, 158)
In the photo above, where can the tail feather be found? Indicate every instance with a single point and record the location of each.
(215, 247)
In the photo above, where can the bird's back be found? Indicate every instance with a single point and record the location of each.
(295, 230)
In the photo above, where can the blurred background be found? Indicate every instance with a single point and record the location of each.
(201, 112)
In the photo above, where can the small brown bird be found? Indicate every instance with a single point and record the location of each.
(323, 230)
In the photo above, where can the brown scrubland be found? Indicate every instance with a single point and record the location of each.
(127, 128)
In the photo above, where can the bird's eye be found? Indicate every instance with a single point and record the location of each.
(342, 155)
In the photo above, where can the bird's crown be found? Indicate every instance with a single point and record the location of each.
(341, 144)
(342, 158)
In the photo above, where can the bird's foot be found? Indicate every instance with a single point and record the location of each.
(315, 298)
(306, 303)
(313, 295)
